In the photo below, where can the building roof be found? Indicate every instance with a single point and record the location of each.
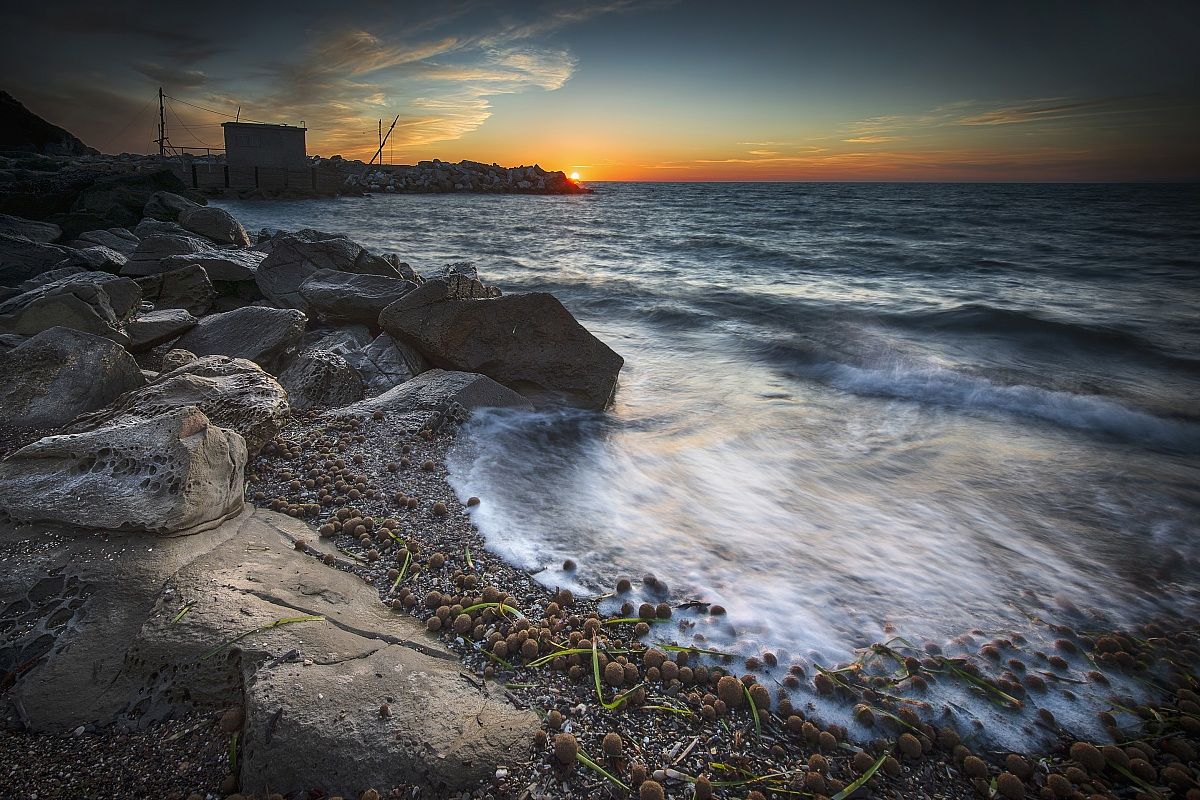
(262, 125)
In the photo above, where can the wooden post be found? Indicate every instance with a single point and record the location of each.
(226, 176)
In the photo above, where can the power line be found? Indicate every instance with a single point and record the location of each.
(218, 113)
(185, 126)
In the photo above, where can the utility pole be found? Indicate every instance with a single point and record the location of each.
(162, 125)
(379, 152)
(380, 143)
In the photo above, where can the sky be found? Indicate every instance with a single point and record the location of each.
(642, 89)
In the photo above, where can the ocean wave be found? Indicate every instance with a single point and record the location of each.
(943, 387)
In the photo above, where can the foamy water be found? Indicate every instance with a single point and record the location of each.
(848, 412)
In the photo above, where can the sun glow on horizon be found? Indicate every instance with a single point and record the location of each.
(574, 176)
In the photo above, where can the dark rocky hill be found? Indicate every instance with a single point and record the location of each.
(23, 131)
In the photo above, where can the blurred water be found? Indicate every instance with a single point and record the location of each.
(847, 411)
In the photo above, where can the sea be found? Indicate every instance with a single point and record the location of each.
(850, 413)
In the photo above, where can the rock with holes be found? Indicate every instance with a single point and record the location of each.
(424, 401)
(122, 653)
(61, 373)
(268, 336)
(343, 297)
(214, 224)
(162, 475)
(528, 342)
(321, 379)
(221, 265)
(295, 257)
(176, 358)
(233, 393)
(153, 328)
(188, 288)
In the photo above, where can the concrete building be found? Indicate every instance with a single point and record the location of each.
(249, 144)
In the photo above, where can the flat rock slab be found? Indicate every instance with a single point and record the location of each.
(221, 265)
(150, 330)
(428, 399)
(270, 337)
(120, 652)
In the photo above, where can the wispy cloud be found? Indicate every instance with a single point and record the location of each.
(873, 139)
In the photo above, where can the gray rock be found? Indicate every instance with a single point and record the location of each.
(342, 341)
(96, 257)
(176, 358)
(148, 331)
(44, 232)
(149, 227)
(268, 336)
(167, 207)
(118, 239)
(49, 276)
(162, 475)
(215, 224)
(52, 378)
(528, 342)
(430, 398)
(92, 302)
(187, 288)
(221, 265)
(403, 267)
(320, 379)
(120, 657)
(295, 257)
(152, 249)
(347, 297)
(234, 393)
(385, 363)
(21, 259)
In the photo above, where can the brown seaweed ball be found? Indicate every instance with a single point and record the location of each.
(439, 509)
(612, 744)
(702, 788)
(646, 611)
(662, 611)
(428, 465)
(500, 648)
(910, 746)
(565, 749)
(1087, 756)
(654, 658)
(716, 610)
(463, 623)
(864, 715)
(472, 502)
(554, 719)
(818, 763)
(614, 674)
(729, 690)
(975, 768)
(641, 629)
(539, 739)
(437, 560)
(434, 623)
(862, 761)
(827, 741)
(624, 586)
(794, 723)
(232, 720)
(1010, 786)
(823, 683)
(1019, 766)
(814, 783)
(637, 773)
(760, 696)
(651, 790)
(631, 674)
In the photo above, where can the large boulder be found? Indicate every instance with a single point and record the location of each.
(50, 379)
(117, 201)
(188, 288)
(221, 265)
(167, 206)
(152, 249)
(49, 276)
(97, 257)
(21, 258)
(295, 257)
(528, 342)
(385, 363)
(117, 239)
(163, 475)
(44, 232)
(232, 392)
(153, 328)
(311, 721)
(434, 397)
(92, 302)
(269, 337)
(349, 298)
(150, 227)
(321, 379)
(215, 224)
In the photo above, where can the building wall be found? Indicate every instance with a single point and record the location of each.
(250, 145)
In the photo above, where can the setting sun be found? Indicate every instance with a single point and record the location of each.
(574, 176)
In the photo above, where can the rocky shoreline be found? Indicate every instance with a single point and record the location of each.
(232, 550)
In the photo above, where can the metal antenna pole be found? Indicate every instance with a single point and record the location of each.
(162, 125)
